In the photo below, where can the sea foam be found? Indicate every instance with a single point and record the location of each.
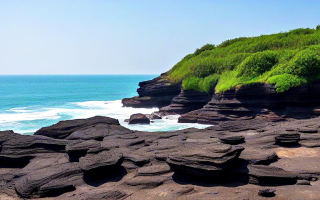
(26, 120)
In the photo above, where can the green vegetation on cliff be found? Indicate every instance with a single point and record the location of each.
(286, 59)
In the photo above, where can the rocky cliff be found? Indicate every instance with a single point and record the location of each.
(157, 92)
(258, 100)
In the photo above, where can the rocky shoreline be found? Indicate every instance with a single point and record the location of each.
(97, 158)
(263, 144)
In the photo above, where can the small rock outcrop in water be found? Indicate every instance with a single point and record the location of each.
(139, 119)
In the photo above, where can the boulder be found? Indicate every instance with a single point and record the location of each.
(63, 129)
(268, 175)
(154, 116)
(209, 161)
(139, 119)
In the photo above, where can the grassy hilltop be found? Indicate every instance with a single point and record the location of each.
(286, 59)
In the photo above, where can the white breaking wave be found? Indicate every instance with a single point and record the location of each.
(27, 120)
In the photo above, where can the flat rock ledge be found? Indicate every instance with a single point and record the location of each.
(97, 158)
(205, 162)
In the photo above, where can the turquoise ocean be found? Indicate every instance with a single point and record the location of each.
(28, 103)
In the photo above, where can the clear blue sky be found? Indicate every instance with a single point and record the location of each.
(132, 37)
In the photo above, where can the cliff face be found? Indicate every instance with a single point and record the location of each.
(258, 100)
(157, 92)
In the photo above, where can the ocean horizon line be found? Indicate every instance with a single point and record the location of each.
(76, 74)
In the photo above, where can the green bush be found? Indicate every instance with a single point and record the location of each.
(257, 64)
(192, 83)
(286, 81)
(209, 82)
(318, 28)
(200, 84)
(204, 48)
(305, 63)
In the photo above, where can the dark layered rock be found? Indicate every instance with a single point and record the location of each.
(268, 175)
(65, 128)
(44, 181)
(259, 99)
(153, 170)
(157, 92)
(97, 132)
(139, 119)
(288, 138)
(233, 140)
(18, 150)
(103, 162)
(307, 130)
(259, 157)
(80, 149)
(210, 161)
(186, 101)
(186, 164)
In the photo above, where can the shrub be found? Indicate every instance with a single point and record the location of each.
(209, 82)
(286, 81)
(204, 48)
(257, 64)
(318, 28)
(305, 63)
(191, 83)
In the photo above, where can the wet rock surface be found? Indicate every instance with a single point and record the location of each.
(96, 162)
(139, 119)
(157, 92)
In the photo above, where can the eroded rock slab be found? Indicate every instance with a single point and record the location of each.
(65, 128)
(103, 162)
(209, 161)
